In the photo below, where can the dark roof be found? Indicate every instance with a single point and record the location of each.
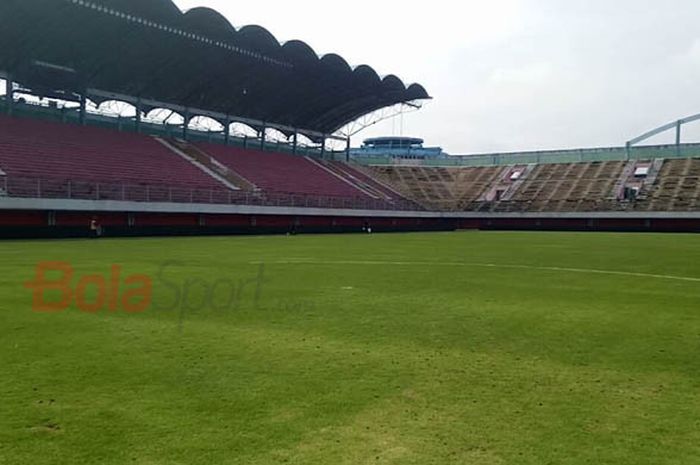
(151, 50)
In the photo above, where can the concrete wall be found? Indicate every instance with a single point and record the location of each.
(41, 218)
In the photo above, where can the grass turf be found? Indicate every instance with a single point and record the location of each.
(473, 348)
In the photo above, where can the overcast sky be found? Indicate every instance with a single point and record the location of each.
(510, 75)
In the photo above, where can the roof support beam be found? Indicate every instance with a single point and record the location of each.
(211, 114)
(677, 125)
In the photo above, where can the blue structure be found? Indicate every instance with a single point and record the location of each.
(405, 148)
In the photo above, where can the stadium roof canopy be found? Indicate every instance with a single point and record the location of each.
(150, 50)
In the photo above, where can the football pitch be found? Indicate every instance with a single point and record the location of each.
(466, 348)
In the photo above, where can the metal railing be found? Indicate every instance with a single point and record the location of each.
(36, 188)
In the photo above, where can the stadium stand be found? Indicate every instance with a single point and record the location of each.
(566, 188)
(208, 163)
(472, 184)
(445, 189)
(71, 161)
(46, 159)
(282, 173)
(655, 185)
(47, 151)
(339, 171)
(677, 188)
(361, 176)
(61, 152)
(413, 182)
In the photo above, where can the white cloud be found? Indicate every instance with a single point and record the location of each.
(530, 74)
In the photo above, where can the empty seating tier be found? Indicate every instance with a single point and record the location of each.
(54, 160)
(54, 151)
(282, 173)
(671, 185)
(677, 188)
(446, 189)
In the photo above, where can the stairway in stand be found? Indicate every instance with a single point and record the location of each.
(208, 164)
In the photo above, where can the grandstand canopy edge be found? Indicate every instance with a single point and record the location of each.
(150, 51)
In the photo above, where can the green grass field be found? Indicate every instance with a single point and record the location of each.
(468, 348)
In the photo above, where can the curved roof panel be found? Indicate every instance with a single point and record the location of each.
(151, 50)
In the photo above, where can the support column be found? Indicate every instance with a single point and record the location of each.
(679, 128)
(323, 148)
(347, 150)
(186, 123)
(227, 131)
(83, 108)
(263, 135)
(9, 94)
(296, 142)
(138, 115)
